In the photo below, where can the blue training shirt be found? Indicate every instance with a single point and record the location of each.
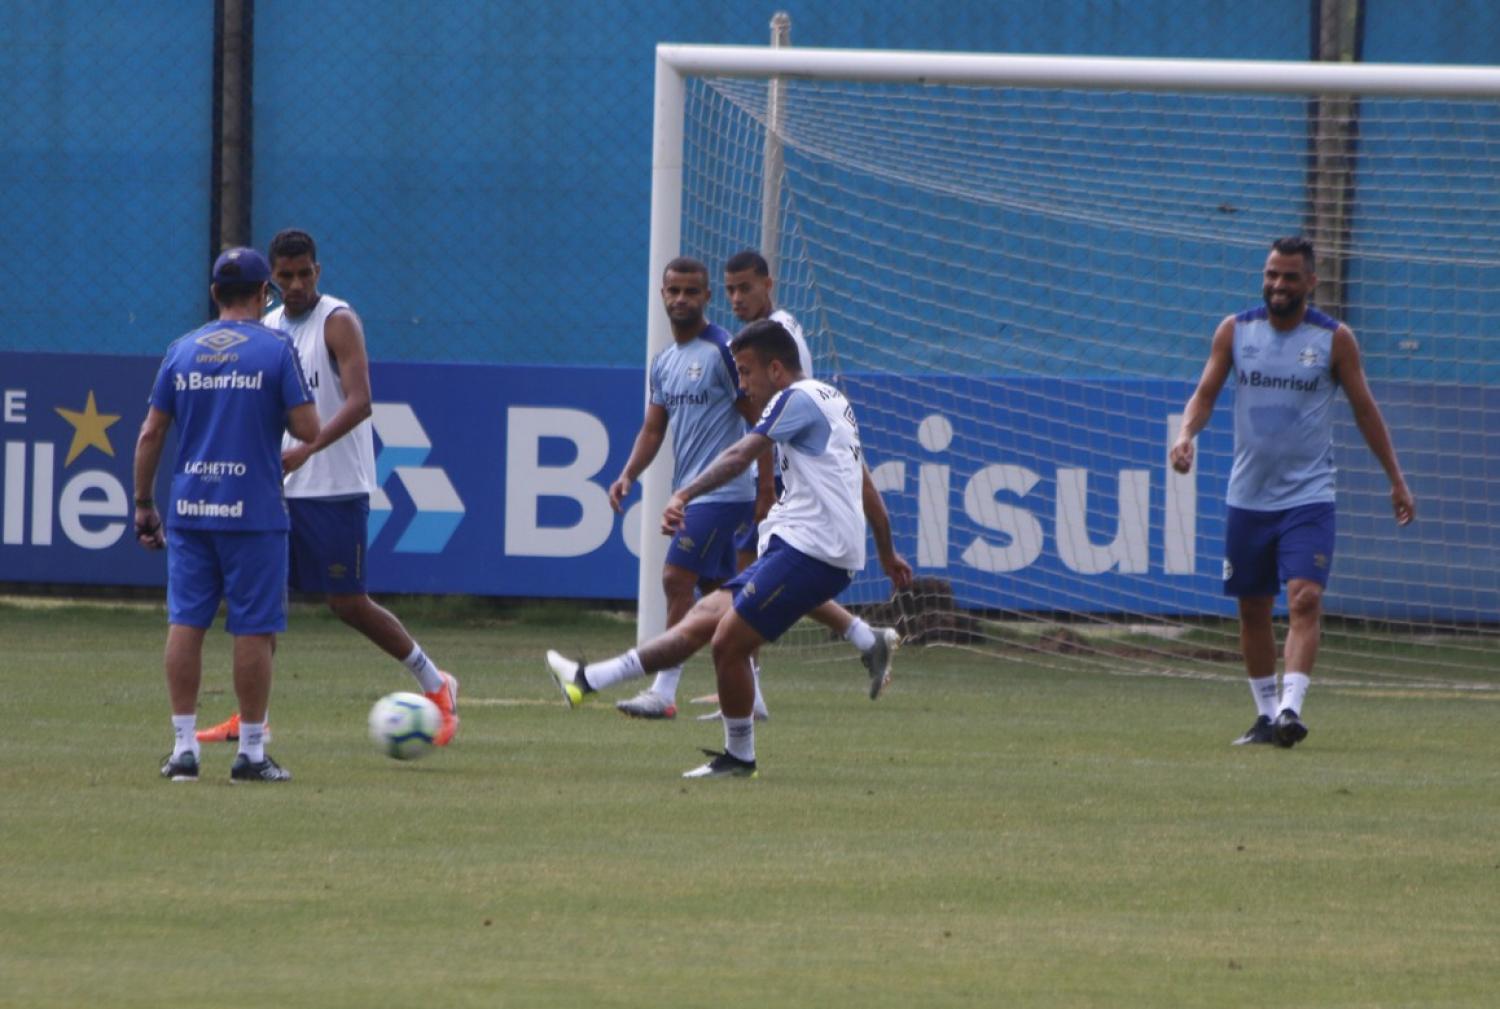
(699, 386)
(1283, 423)
(228, 387)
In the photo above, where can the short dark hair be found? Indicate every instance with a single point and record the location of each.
(290, 243)
(686, 264)
(748, 260)
(231, 293)
(771, 341)
(1296, 245)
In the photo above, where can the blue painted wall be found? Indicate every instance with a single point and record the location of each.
(104, 173)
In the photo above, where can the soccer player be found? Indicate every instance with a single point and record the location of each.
(1288, 359)
(748, 285)
(329, 480)
(232, 387)
(695, 394)
(811, 543)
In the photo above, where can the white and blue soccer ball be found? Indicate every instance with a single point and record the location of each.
(403, 725)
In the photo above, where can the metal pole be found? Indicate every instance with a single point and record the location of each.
(234, 68)
(666, 239)
(774, 162)
(1333, 131)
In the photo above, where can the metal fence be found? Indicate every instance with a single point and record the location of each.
(477, 174)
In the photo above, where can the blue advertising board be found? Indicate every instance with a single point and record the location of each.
(1036, 494)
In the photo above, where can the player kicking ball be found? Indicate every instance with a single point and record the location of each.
(811, 543)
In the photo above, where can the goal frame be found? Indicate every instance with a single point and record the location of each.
(675, 63)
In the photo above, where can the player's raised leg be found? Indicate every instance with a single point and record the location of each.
(876, 645)
(675, 645)
(387, 633)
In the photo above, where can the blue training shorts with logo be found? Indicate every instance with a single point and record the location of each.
(327, 544)
(1263, 550)
(783, 586)
(705, 544)
(246, 568)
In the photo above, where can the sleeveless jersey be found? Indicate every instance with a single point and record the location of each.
(698, 385)
(348, 465)
(1283, 426)
(228, 387)
(821, 509)
(791, 325)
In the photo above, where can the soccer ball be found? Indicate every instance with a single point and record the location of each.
(403, 724)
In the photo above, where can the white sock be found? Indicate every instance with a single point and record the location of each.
(860, 636)
(665, 684)
(253, 740)
(1293, 690)
(424, 669)
(760, 701)
(1264, 692)
(616, 670)
(185, 735)
(739, 737)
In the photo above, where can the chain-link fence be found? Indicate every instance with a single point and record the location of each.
(477, 174)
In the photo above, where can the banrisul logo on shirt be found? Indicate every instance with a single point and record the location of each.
(404, 447)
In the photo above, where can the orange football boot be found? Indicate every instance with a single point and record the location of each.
(227, 731)
(446, 699)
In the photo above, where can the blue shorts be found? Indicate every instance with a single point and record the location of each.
(783, 586)
(327, 544)
(1262, 550)
(705, 544)
(248, 569)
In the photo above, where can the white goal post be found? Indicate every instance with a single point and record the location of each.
(968, 170)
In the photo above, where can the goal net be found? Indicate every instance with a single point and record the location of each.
(1016, 287)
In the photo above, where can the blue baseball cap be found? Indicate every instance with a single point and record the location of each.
(241, 266)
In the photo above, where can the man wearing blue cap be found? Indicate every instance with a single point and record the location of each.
(231, 387)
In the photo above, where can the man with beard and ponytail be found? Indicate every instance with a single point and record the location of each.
(1288, 359)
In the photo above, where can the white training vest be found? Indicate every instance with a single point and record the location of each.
(348, 465)
(821, 510)
(791, 325)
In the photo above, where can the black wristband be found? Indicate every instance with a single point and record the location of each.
(144, 502)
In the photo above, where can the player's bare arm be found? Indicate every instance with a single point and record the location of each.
(303, 422)
(148, 449)
(1348, 369)
(647, 444)
(893, 564)
(345, 337)
(765, 471)
(731, 462)
(1200, 406)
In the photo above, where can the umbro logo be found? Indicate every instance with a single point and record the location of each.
(221, 340)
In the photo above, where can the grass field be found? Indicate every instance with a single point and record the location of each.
(986, 835)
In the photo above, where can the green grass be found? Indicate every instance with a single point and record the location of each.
(985, 835)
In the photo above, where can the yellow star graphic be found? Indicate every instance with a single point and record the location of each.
(88, 429)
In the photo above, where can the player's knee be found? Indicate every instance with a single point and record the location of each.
(346, 608)
(1305, 601)
(723, 647)
(678, 582)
